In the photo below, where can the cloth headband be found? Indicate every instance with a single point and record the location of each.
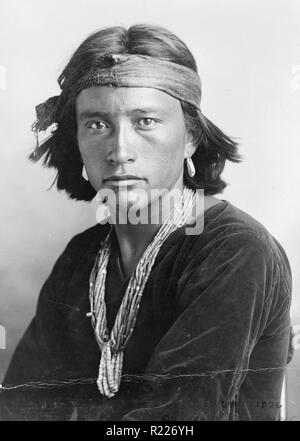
(117, 70)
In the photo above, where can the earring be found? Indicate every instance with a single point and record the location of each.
(214, 170)
(84, 174)
(190, 167)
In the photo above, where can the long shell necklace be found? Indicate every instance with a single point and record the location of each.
(112, 346)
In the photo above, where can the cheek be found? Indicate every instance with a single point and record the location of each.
(94, 160)
(168, 149)
(90, 149)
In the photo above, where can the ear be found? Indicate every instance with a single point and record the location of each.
(190, 147)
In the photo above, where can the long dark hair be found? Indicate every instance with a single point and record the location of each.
(62, 152)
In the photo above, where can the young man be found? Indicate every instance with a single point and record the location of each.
(142, 321)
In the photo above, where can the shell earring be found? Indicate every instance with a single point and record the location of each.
(84, 174)
(190, 167)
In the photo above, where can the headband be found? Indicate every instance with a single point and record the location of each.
(117, 70)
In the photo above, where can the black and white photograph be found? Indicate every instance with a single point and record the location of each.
(150, 240)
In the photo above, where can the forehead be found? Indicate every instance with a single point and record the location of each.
(126, 99)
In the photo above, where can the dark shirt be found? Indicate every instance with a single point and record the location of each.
(210, 343)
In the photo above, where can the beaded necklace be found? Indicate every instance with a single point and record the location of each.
(112, 346)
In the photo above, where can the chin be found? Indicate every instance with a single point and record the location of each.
(131, 207)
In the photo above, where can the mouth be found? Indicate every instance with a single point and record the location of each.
(122, 180)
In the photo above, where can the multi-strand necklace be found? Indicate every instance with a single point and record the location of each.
(112, 346)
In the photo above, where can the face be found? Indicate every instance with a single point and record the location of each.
(131, 131)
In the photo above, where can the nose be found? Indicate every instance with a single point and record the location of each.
(122, 148)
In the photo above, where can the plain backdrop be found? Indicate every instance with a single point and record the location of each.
(248, 55)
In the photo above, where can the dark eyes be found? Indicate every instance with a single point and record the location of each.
(146, 122)
(97, 125)
(142, 123)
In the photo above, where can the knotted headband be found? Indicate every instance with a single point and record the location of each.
(144, 71)
(117, 70)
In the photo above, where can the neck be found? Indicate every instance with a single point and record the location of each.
(133, 239)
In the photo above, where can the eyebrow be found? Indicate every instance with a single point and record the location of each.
(89, 114)
(97, 114)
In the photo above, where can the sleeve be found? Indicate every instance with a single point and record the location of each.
(33, 361)
(199, 365)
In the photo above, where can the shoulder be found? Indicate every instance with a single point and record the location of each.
(227, 222)
(83, 247)
(73, 265)
(87, 239)
(234, 257)
(230, 234)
